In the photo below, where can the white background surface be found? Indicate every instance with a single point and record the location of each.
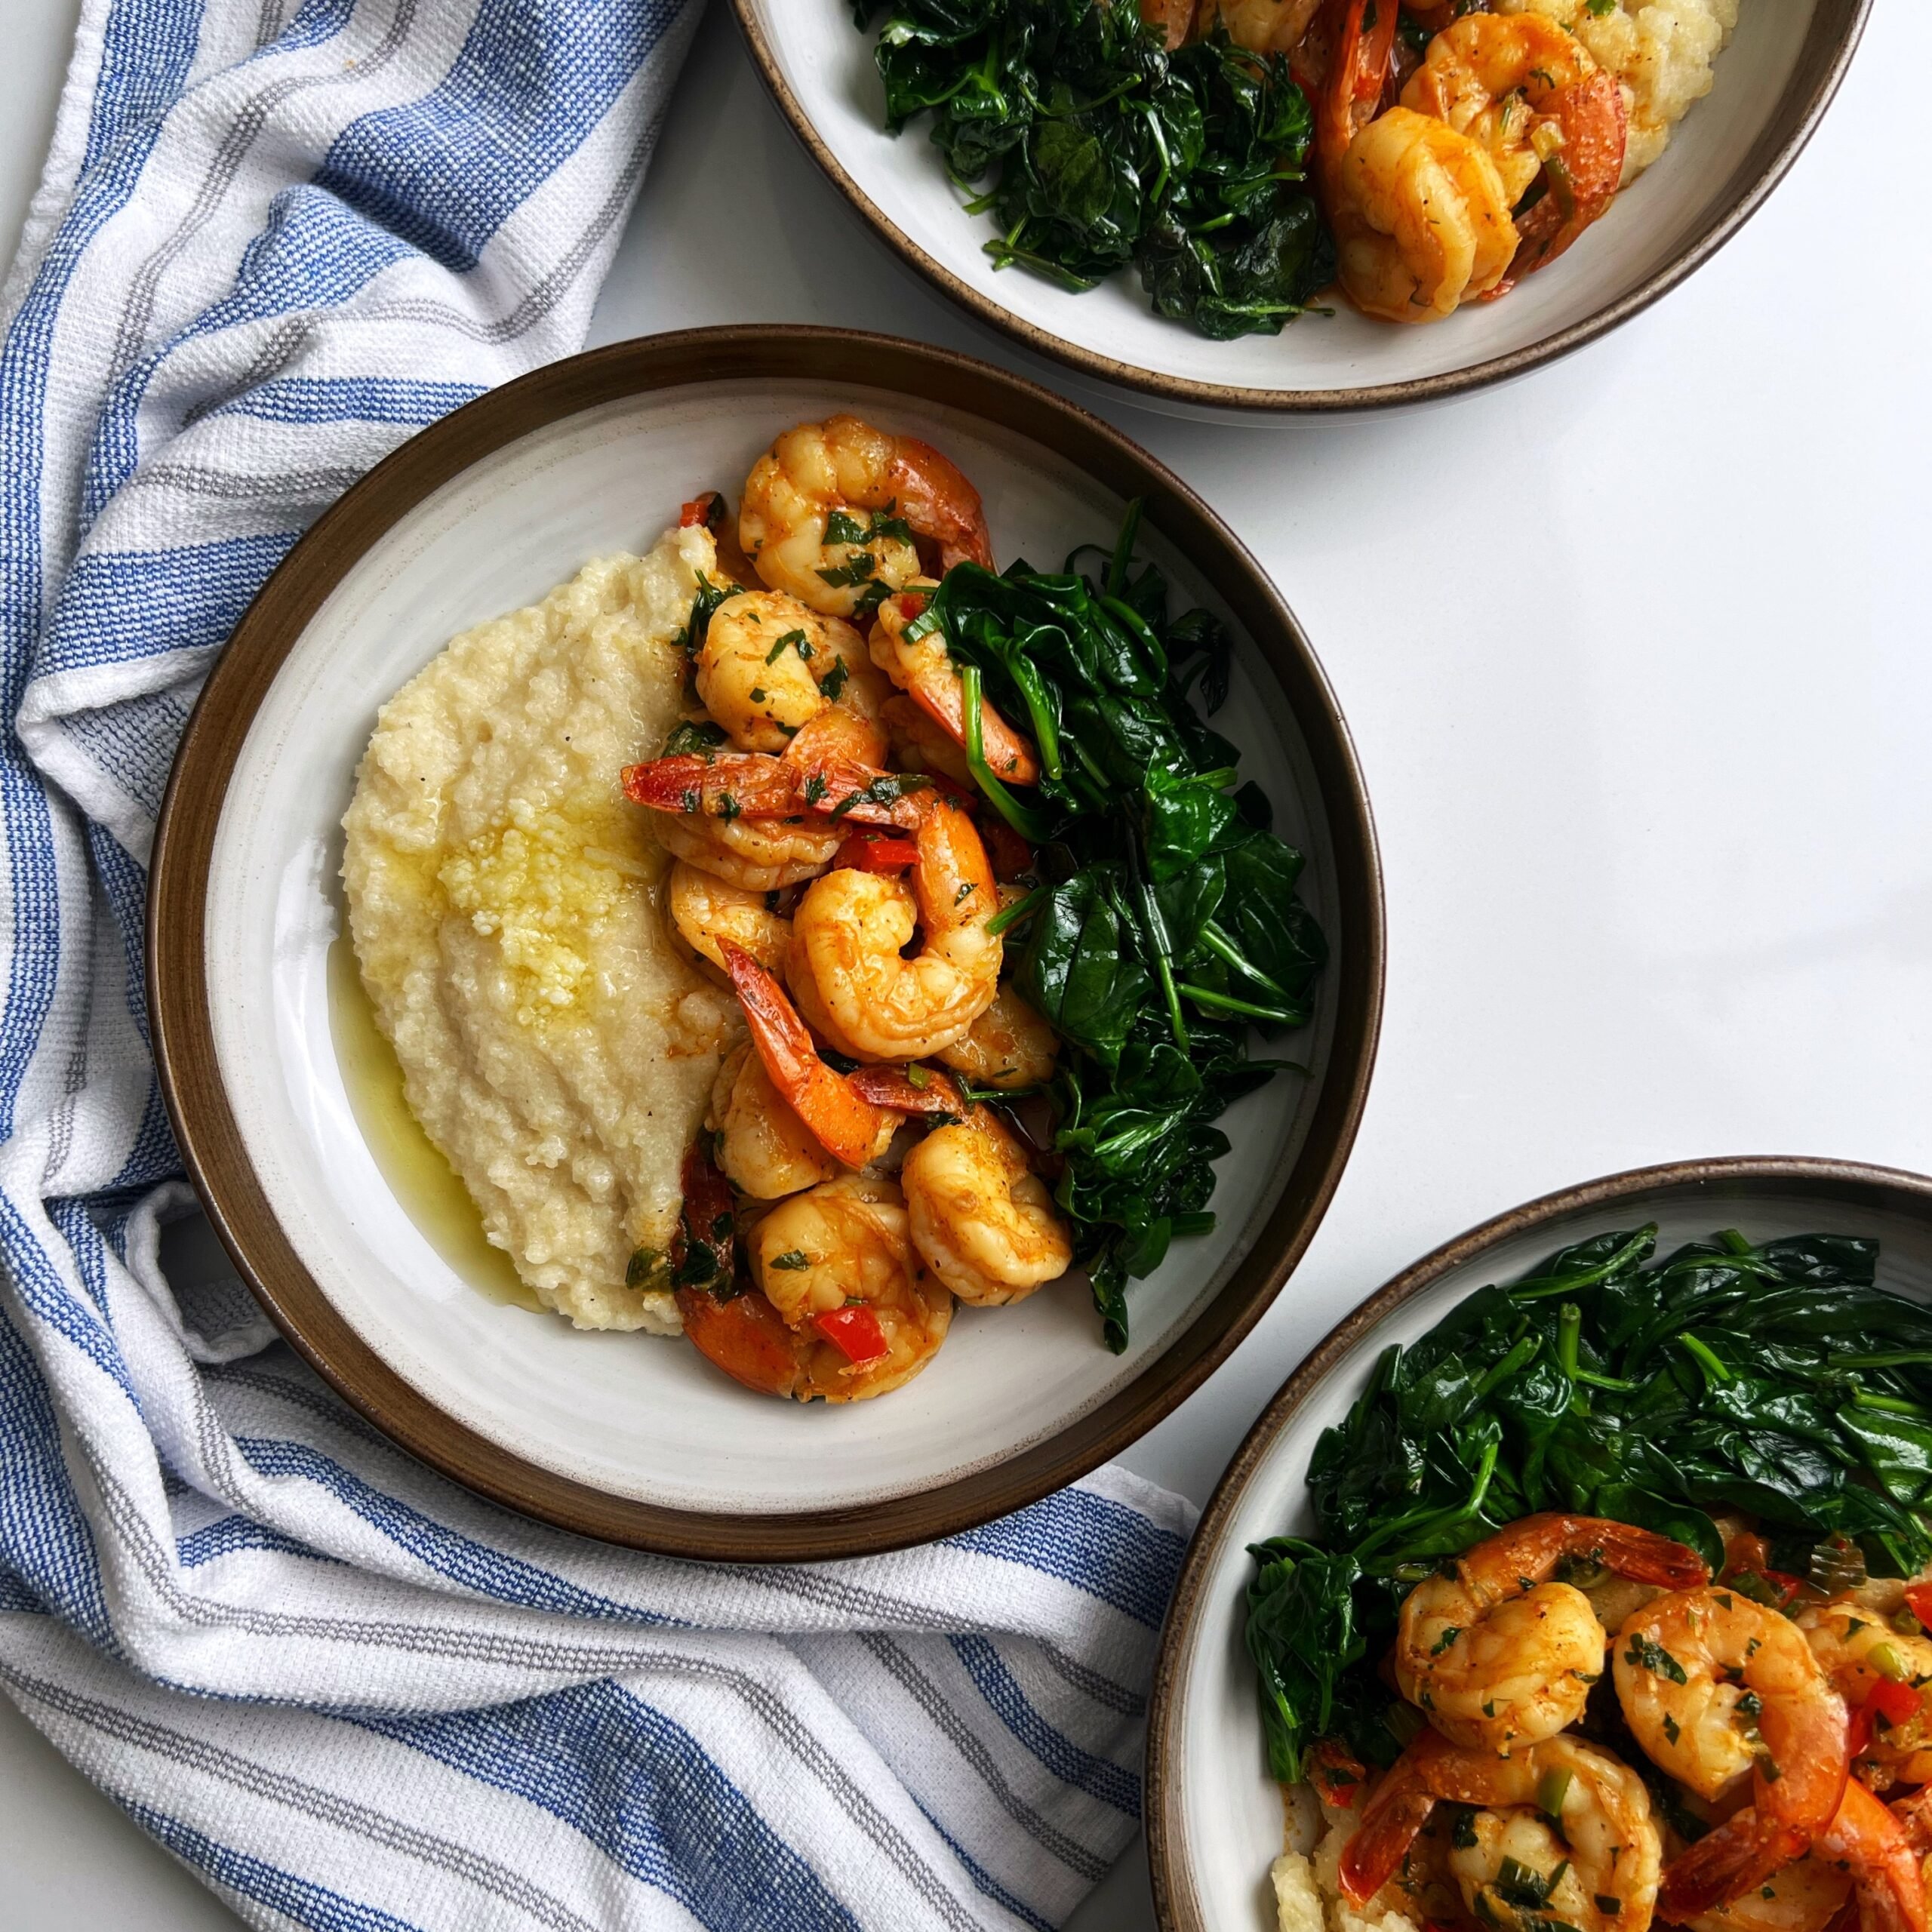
(1636, 653)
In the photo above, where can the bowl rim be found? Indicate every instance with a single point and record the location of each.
(1170, 1874)
(1849, 28)
(216, 1157)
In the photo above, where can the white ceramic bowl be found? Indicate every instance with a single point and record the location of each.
(1773, 82)
(626, 1436)
(1214, 1819)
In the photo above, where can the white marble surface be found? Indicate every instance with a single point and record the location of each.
(1636, 655)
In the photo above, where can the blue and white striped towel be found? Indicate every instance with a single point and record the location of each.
(275, 236)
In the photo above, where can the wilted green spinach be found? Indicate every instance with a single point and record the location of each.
(1166, 925)
(1097, 148)
(1772, 1379)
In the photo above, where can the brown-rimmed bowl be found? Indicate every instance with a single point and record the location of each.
(1773, 83)
(1214, 1819)
(628, 1438)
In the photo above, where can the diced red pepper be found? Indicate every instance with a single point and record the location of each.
(911, 603)
(854, 1332)
(1918, 1601)
(1787, 1585)
(1896, 1703)
(706, 507)
(862, 852)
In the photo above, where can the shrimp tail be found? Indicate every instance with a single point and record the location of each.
(729, 785)
(935, 499)
(1645, 1556)
(933, 1092)
(745, 1337)
(1885, 1862)
(1725, 1864)
(847, 1127)
(1583, 177)
(1363, 35)
(1873, 1844)
(1398, 1810)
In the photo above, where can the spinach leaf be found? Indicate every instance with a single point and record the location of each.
(1133, 945)
(1101, 151)
(1776, 1380)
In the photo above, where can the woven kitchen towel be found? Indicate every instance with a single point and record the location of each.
(274, 237)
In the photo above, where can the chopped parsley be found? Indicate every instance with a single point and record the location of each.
(1647, 1653)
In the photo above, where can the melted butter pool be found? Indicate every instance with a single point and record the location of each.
(420, 1179)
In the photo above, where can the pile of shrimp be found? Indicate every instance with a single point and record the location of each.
(830, 864)
(1449, 172)
(1752, 1765)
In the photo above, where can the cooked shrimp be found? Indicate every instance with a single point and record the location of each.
(769, 665)
(765, 1148)
(1009, 1045)
(838, 1264)
(1421, 218)
(705, 912)
(1498, 1653)
(1263, 26)
(1870, 1663)
(1714, 1685)
(1528, 91)
(851, 1130)
(849, 974)
(922, 668)
(918, 744)
(797, 524)
(1805, 1897)
(762, 823)
(983, 1221)
(755, 854)
(1568, 1812)
(1861, 1842)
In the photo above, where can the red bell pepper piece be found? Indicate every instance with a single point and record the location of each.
(1918, 1601)
(1896, 1703)
(866, 853)
(706, 507)
(853, 1330)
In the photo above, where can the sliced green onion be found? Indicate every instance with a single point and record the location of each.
(1702, 1353)
(1226, 1003)
(1569, 1326)
(1551, 1789)
(1887, 1662)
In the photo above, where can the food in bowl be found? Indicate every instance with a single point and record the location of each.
(913, 967)
(1242, 155)
(1617, 1607)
